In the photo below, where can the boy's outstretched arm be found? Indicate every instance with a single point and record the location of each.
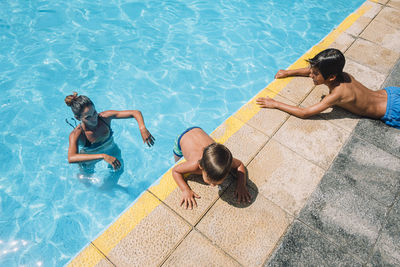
(305, 72)
(241, 191)
(188, 196)
(328, 101)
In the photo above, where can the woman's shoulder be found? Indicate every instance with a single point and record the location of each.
(77, 131)
(106, 115)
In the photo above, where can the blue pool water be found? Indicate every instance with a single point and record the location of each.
(181, 63)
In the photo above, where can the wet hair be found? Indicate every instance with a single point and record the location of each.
(216, 161)
(78, 103)
(329, 62)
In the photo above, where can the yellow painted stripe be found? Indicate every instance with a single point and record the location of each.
(90, 256)
(147, 202)
(226, 130)
(250, 109)
(126, 222)
(165, 186)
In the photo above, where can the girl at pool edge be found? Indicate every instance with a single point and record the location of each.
(94, 129)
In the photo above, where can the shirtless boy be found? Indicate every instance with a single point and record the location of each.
(212, 160)
(344, 91)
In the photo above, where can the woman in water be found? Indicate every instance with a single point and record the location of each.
(94, 133)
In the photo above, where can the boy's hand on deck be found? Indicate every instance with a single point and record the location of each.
(188, 199)
(242, 194)
(113, 161)
(266, 102)
(147, 137)
(281, 74)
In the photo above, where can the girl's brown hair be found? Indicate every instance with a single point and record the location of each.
(77, 103)
(216, 161)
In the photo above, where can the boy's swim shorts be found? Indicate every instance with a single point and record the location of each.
(392, 115)
(177, 146)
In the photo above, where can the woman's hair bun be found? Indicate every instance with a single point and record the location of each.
(71, 98)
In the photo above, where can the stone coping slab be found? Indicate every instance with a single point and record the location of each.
(304, 247)
(155, 230)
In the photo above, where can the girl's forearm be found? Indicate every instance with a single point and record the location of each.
(84, 157)
(139, 118)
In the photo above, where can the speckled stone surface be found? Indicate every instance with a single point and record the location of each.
(269, 121)
(370, 169)
(304, 247)
(197, 250)
(208, 195)
(91, 257)
(343, 42)
(379, 134)
(394, 4)
(297, 89)
(382, 34)
(383, 1)
(105, 263)
(315, 139)
(284, 177)
(247, 232)
(253, 138)
(394, 77)
(374, 8)
(372, 55)
(389, 16)
(345, 215)
(387, 250)
(358, 26)
(150, 241)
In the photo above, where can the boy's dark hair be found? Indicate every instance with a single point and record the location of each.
(78, 103)
(216, 161)
(329, 62)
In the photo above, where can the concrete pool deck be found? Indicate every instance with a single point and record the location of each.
(326, 190)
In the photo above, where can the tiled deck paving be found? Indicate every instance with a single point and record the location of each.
(326, 190)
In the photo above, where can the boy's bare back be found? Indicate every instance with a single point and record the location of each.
(358, 99)
(193, 144)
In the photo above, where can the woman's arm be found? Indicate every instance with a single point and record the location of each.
(75, 157)
(126, 114)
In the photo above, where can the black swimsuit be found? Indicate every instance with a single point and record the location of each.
(88, 144)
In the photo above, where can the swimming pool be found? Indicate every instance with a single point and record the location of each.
(181, 63)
